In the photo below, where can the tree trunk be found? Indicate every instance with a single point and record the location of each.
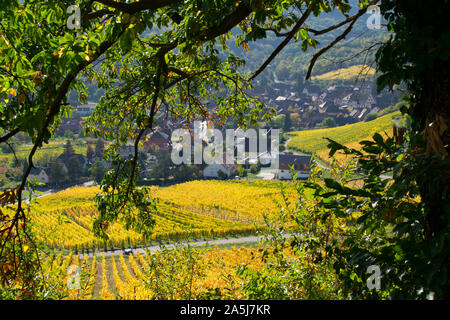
(433, 104)
(434, 108)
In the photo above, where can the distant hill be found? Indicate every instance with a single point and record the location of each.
(291, 63)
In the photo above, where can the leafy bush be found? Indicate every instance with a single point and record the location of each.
(68, 134)
(222, 175)
(241, 171)
(254, 168)
(387, 221)
(5, 148)
(325, 243)
(328, 122)
(370, 117)
(297, 260)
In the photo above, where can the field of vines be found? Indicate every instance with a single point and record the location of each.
(52, 150)
(346, 73)
(192, 210)
(182, 273)
(313, 141)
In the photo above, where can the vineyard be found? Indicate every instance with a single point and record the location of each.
(181, 273)
(52, 150)
(313, 141)
(346, 73)
(192, 210)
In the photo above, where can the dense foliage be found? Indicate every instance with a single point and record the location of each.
(418, 55)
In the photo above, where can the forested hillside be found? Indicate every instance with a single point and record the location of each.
(291, 64)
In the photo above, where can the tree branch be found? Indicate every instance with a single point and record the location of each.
(99, 14)
(325, 49)
(55, 109)
(277, 33)
(159, 72)
(288, 38)
(9, 135)
(229, 22)
(353, 19)
(297, 27)
(138, 6)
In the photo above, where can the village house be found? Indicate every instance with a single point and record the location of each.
(300, 164)
(86, 109)
(126, 150)
(82, 160)
(41, 175)
(212, 171)
(366, 101)
(362, 114)
(158, 139)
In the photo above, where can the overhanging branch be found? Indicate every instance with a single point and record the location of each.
(9, 135)
(353, 20)
(288, 38)
(325, 49)
(289, 35)
(139, 6)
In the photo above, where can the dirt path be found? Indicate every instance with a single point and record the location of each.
(151, 249)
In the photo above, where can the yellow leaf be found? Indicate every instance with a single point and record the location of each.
(245, 46)
(37, 77)
(13, 92)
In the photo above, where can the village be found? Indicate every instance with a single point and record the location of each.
(311, 107)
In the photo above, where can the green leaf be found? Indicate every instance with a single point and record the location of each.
(330, 183)
(379, 139)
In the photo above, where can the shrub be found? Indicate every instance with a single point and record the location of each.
(370, 117)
